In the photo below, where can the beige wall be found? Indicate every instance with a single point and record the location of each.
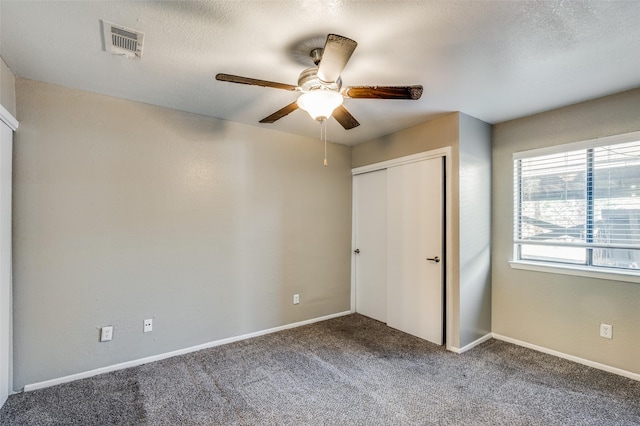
(561, 312)
(125, 211)
(438, 133)
(7, 88)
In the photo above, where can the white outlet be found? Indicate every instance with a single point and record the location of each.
(296, 299)
(148, 326)
(106, 333)
(606, 331)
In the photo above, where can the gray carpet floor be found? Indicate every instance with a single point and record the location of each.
(349, 370)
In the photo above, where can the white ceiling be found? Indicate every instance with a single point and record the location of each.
(494, 60)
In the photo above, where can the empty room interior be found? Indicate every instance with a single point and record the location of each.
(320, 212)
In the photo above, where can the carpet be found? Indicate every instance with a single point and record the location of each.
(348, 370)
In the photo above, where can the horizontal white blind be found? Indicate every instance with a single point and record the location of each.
(580, 206)
(616, 194)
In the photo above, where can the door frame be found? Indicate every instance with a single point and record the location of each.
(6, 279)
(445, 152)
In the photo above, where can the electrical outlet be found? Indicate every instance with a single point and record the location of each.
(148, 325)
(606, 331)
(296, 299)
(106, 333)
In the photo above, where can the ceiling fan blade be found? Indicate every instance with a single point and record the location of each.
(345, 118)
(254, 82)
(383, 92)
(281, 113)
(336, 54)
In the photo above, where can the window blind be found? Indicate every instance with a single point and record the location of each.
(580, 206)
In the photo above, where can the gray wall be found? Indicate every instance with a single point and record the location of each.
(475, 229)
(561, 312)
(125, 211)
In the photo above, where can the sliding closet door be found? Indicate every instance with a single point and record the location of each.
(370, 258)
(5, 259)
(415, 216)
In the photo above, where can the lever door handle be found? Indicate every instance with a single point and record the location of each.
(434, 259)
(357, 251)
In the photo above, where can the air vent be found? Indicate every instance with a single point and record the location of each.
(119, 40)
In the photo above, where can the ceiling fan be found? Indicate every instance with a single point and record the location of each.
(321, 85)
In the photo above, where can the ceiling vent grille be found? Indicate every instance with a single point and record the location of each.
(119, 40)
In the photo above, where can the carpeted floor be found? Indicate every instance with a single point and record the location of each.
(349, 370)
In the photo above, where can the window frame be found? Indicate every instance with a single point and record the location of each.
(589, 271)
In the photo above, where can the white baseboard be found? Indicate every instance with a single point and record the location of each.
(471, 345)
(141, 361)
(599, 366)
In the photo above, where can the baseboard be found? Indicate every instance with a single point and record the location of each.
(141, 361)
(588, 363)
(470, 345)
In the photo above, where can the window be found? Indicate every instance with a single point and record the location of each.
(579, 205)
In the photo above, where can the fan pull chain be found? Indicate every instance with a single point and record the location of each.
(323, 137)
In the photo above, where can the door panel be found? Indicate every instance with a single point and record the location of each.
(370, 210)
(415, 197)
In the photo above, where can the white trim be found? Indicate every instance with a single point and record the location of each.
(141, 361)
(8, 119)
(440, 152)
(576, 270)
(572, 146)
(588, 363)
(353, 242)
(448, 285)
(577, 245)
(445, 152)
(471, 345)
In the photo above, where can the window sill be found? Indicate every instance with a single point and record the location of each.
(579, 271)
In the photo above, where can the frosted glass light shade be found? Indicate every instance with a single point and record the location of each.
(320, 103)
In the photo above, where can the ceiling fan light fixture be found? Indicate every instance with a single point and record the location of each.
(320, 104)
(321, 85)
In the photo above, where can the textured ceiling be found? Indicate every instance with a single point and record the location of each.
(494, 60)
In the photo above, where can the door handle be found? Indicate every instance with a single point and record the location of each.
(357, 251)
(434, 259)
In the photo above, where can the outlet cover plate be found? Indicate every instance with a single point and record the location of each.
(148, 325)
(606, 331)
(106, 333)
(296, 299)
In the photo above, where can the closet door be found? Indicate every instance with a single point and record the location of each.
(415, 216)
(370, 245)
